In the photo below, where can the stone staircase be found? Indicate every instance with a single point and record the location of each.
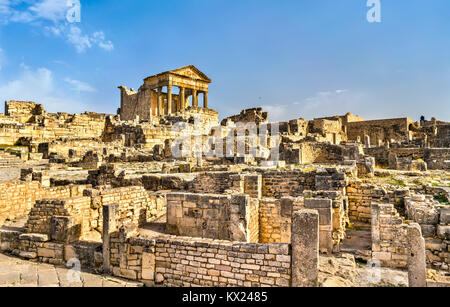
(9, 160)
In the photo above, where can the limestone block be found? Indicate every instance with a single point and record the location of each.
(416, 257)
(443, 232)
(305, 248)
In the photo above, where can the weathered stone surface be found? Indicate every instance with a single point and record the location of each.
(416, 257)
(305, 248)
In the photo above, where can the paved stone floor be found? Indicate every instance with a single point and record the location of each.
(15, 272)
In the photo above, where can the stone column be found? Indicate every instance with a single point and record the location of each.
(159, 102)
(109, 226)
(305, 248)
(169, 99)
(417, 266)
(194, 98)
(205, 100)
(182, 99)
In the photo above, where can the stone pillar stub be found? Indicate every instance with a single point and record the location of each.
(305, 248)
(324, 207)
(109, 226)
(417, 270)
(375, 224)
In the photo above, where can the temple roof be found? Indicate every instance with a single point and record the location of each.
(189, 71)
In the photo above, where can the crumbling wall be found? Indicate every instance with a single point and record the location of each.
(434, 221)
(38, 247)
(279, 184)
(212, 182)
(384, 130)
(42, 216)
(361, 195)
(18, 197)
(221, 217)
(255, 115)
(23, 111)
(389, 236)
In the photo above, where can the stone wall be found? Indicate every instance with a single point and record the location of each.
(18, 197)
(275, 218)
(52, 127)
(389, 236)
(38, 247)
(135, 205)
(434, 221)
(361, 195)
(396, 129)
(182, 261)
(279, 184)
(436, 158)
(224, 217)
(42, 217)
(213, 182)
(22, 111)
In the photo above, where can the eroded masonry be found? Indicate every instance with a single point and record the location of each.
(166, 194)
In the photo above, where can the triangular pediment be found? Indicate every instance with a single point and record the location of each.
(191, 72)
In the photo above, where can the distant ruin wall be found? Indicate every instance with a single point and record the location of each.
(396, 129)
(436, 158)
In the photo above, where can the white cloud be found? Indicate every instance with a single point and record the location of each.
(99, 39)
(80, 86)
(54, 10)
(39, 85)
(78, 39)
(50, 15)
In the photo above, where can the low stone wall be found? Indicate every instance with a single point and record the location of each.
(182, 261)
(70, 219)
(38, 247)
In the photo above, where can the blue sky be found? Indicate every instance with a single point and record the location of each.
(296, 58)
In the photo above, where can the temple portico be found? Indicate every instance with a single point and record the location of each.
(165, 94)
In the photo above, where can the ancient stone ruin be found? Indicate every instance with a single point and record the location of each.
(163, 193)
